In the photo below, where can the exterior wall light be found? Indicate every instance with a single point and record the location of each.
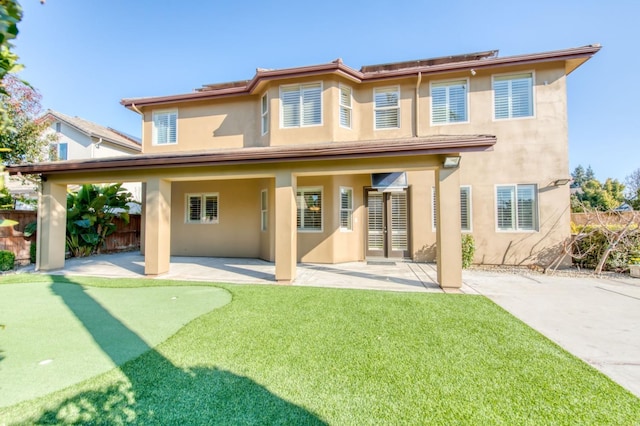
(451, 162)
(561, 182)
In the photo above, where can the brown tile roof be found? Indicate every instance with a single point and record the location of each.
(572, 57)
(430, 145)
(95, 130)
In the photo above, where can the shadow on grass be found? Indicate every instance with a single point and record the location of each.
(156, 391)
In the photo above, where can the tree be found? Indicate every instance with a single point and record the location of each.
(633, 189)
(90, 215)
(10, 15)
(602, 197)
(26, 141)
(578, 177)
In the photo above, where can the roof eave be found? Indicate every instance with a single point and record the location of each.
(327, 151)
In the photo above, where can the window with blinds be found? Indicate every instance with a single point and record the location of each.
(387, 107)
(375, 216)
(465, 208)
(264, 110)
(346, 209)
(345, 106)
(513, 96)
(449, 102)
(202, 208)
(516, 207)
(399, 221)
(301, 105)
(165, 129)
(309, 209)
(264, 214)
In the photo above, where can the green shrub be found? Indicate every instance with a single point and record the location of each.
(7, 260)
(32, 252)
(589, 249)
(468, 250)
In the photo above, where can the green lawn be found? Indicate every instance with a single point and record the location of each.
(295, 355)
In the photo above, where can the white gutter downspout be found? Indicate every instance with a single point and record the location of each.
(418, 104)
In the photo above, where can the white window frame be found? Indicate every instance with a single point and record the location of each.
(54, 148)
(301, 88)
(348, 109)
(264, 210)
(154, 132)
(533, 95)
(448, 84)
(203, 220)
(469, 209)
(348, 210)
(536, 210)
(264, 110)
(395, 89)
(300, 209)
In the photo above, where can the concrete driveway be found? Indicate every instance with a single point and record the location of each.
(596, 319)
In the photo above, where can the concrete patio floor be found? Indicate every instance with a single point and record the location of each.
(595, 318)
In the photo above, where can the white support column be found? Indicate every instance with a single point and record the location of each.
(286, 247)
(157, 227)
(448, 231)
(52, 227)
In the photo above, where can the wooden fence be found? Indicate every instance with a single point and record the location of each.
(125, 238)
(615, 218)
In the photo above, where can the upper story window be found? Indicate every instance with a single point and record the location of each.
(58, 151)
(58, 127)
(346, 110)
(165, 127)
(449, 102)
(516, 207)
(513, 96)
(202, 208)
(264, 109)
(387, 107)
(301, 105)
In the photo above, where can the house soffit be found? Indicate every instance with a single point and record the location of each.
(268, 155)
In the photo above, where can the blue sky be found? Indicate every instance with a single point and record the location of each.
(84, 56)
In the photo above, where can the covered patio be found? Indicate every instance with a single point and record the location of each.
(280, 168)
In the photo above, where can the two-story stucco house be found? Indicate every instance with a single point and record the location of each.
(328, 164)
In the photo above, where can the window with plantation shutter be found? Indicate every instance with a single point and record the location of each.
(301, 105)
(387, 107)
(399, 221)
(202, 208)
(264, 109)
(309, 209)
(516, 207)
(513, 96)
(264, 216)
(346, 209)
(465, 208)
(345, 106)
(165, 130)
(449, 102)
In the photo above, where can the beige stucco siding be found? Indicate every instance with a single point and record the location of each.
(208, 125)
(237, 233)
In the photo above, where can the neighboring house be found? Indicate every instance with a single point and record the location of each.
(79, 139)
(328, 164)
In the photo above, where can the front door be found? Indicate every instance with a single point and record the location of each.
(387, 224)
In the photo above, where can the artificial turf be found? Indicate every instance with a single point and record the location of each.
(298, 355)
